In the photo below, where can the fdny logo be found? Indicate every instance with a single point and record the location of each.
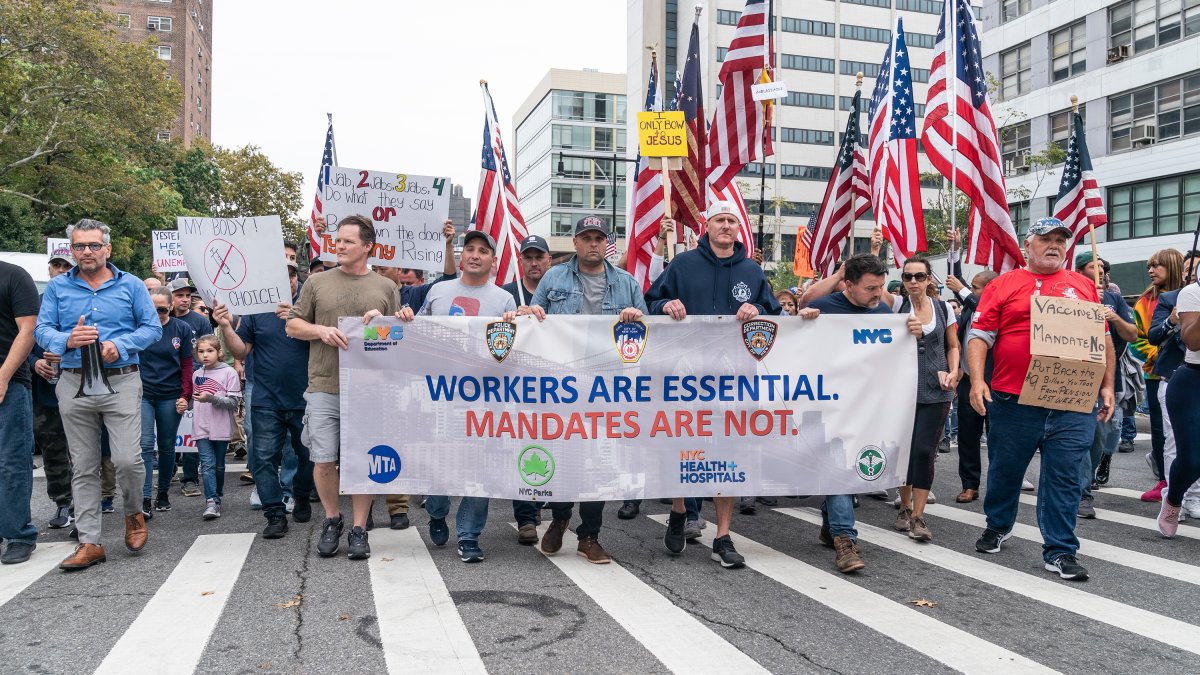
(500, 338)
(759, 336)
(741, 292)
(175, 343)
(630, 339)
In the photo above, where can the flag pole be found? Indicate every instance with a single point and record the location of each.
(952, 105)
(762, 161)
(512, 246)
(1091, 228)
(333, 145)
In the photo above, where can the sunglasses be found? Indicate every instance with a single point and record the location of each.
(162, 310)
(92, 247)
(919, 276)
(203, 309)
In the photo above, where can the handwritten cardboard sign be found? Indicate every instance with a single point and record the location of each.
(167, 252)
(1067, 343)
(406, 209)
(238, 261)
(58, 247)
(662, 134)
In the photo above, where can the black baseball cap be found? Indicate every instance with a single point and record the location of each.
(534, 242)
(480, 234)
(591, 223)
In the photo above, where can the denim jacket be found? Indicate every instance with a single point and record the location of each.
(561, 290)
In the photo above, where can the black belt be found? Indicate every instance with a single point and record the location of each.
(123, 370)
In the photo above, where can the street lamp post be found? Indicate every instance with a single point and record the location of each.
(616, 158)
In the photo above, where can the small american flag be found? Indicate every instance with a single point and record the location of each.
(741, 127)
(207, 385)
(328, 159)
(610, 251)
(498, 212)
(1079, 200)
(847, 196)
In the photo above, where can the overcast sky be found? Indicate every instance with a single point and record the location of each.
(401, 78)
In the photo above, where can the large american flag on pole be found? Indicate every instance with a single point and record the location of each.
(895, 176)
(740, 131)
(1079, 202)
(649, 206)
(847, 196)
(497, 210)
(962, 142)
(328, 159)
(689, 183)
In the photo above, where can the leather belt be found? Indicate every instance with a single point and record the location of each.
(123, 370)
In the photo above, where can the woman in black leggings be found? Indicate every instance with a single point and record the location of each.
(1183, 406)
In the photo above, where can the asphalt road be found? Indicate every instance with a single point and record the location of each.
(214, 597)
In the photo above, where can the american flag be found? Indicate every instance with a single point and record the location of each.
(207, 385)
(497, 211)
(688, 184)
(610, 249)
(895, 183)
(741, 127)
(847, 196)
(649, 204)
(1079, 202)
(328, 159)
(973, 158)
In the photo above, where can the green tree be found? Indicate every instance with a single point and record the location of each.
(251, 185)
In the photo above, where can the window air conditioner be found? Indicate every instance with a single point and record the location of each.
(1118, 53)
(1143, 133)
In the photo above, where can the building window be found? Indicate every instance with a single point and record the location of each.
(920, 75)
(1146, 24)
(562, 224)
(1068, 51)
(123, 21)
(1014, 71)
(727, 17)
(163, 51)
(811, 63)
(922, 40)
(757, 169)
(567, 196)
(1014, 147)
(164, 135)
(807, 26)
(809, 136)
(801, 172)
(1019, 213)
(854, 67)
(721, 52)
(862, 139)
(1011, 9)
(866, 34)
(806, 100)
(1156, 207)
(926, 6)
(162, 23)
(1165, 111)
(1060, 127)
(870, 3)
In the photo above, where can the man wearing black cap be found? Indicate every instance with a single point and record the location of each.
(535, 260)
(587, 284)
(47, 423)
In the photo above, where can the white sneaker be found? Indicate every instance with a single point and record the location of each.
(289, 502)
(212, 510)
(1191, 508)
(932, 499)
(255, 502)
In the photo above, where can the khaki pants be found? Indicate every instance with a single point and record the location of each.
(397, 504)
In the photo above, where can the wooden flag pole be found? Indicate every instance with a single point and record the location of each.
(1091, 228)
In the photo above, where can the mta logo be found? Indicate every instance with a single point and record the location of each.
(383, 464)
(864, 336)
(395, 333)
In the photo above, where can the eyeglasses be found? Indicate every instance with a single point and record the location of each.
(93, 247)
(162, 310)
(202, 309)
(919, 276)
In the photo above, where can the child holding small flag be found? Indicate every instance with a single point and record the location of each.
(217, 390)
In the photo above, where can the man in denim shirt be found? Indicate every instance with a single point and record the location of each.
(587, 284)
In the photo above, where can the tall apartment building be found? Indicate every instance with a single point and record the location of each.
(568, 145)
(1135, 66)
(180, 32)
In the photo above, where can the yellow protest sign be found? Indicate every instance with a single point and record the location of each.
(1066, 341)
(662, 134)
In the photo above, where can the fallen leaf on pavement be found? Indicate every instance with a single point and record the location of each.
(388, 559)
(285, 605)
(207, 593)
(923, 603)
(343, 617)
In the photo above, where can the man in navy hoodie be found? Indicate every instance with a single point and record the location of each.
(715, 278)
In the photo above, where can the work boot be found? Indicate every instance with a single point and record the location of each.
(847, 557)
(552, 540)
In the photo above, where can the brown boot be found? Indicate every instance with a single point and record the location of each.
(552, 540)
(135, 532)
(848, 559)
(85, 556)
(967, 495)
(593, 551)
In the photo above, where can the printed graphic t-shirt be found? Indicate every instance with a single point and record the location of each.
(454, 298)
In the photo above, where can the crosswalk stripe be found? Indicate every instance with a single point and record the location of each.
(170, 634)
(1119, 492)
(1129, 519)
(940, 641)
(16, 578)
(1157, 627)
(676, 638)
(1095, 549)
(419, 626)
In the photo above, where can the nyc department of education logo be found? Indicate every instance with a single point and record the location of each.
(383, 464)
(870, 462)
(741, 292)
(630, 339)
(500, 337)
(759, 336)
(535, 466)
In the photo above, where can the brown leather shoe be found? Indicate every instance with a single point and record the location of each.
(593, 551)
(967, 495)
(135, 532)
(848, 557)
(552, 540)
(85, 556)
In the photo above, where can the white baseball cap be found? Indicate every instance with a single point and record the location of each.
(717, 208)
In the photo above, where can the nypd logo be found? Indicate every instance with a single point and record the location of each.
(759, 336)
(630, 340)
(500, 336)
(870, 462)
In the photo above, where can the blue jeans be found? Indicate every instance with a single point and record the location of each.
(524, 511)
(160, 415)
(269, 448)
(1108, 435)
(189, 463)
(1128, 428)
(472, 514)
(837, 513)
(951, 429)
(1016, 431)
(16, 465)
(212, 466)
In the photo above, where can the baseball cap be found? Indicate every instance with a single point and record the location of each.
(292, 264)
(591, 223)
(65, 258)
(1083, 259)
(180, 284)
(480, 234)
(717, 208)
(534, 242)
(1046, 226)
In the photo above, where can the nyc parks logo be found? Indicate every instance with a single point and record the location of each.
(535, 466)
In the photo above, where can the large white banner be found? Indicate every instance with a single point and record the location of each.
(582, 408)
(219, 253)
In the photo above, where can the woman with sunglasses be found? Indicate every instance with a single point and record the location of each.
(1165, 268)
(933, 323)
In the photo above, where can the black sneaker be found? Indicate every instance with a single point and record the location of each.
(1103, 471)
(724, 553)
(302, 511)
(277, 526)
(356, 544)
(1125, 446)
(370, 521)
(62, 518)
(990, 541)
(629, 510)
(331, 537)
(162, 502)
(469, 551)
(1068, 568)
(398, 521)
(439, 534)
(146, 512)
(674, 538)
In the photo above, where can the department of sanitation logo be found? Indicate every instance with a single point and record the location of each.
(759, 336)
(383, 464)
(741, 292)
(535, 465)
(870, 462)
(500, 337)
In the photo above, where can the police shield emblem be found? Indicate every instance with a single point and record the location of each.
(500, 337)
(759, 336)
(630, 339)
